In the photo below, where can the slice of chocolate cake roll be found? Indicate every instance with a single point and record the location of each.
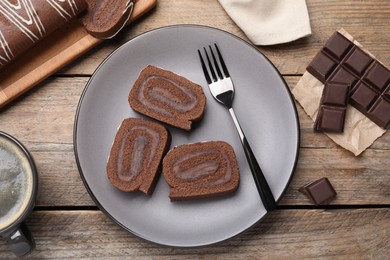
(167, 97)
(135, 157)
(201, 170)
(105, 18)
(23, 23)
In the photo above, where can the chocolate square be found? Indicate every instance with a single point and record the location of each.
(319, 191)
(321, 67)
(387, 92)
(335, 94)
(343, 76)
(330, 119)
(381, 112)
(378, 76)
(363, 97)
(358, 61)
(337, 46)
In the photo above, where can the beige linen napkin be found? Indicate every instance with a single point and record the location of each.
(359, 131)
(268, 22)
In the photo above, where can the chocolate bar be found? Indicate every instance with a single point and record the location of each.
(319, 191)
(342, 61)
(333, 106)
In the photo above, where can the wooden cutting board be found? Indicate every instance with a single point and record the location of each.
(51, 54)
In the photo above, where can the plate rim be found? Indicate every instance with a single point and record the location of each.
(87, 85)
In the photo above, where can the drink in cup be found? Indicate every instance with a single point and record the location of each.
(18, 191)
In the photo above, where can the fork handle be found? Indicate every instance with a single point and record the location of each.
(260, 181)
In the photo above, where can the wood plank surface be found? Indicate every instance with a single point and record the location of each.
(52, 53)
(43, 121)
(284, 234)
(355, 225)
(367, 21)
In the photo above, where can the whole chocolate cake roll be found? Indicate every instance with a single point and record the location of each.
(25, 22)
(167, 97)
(136, 155)
(201, 170)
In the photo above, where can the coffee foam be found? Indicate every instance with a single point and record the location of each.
(16, 182)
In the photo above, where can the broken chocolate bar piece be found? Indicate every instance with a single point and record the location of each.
(340, 60)
(319, 192)
(333, 106)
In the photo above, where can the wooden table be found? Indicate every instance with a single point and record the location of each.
(66, 223)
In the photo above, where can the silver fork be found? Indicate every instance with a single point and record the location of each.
(222, 89)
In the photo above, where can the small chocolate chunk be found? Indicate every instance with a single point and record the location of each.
(330, 120)
(335, 94)
(333, 106)
(319, 192)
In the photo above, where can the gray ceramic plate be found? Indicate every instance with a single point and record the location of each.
(262, 102)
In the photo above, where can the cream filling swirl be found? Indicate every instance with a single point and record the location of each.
(202, 168)
(165, 96)
(129, 171)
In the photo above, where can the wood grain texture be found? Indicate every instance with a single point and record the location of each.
(367, 21)
(355, 226)
(283, 234)
(51, 54)
(43, 121)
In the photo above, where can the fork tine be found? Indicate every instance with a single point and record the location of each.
(225, 70)
(205, 72)
(216, 63)
(214, 76)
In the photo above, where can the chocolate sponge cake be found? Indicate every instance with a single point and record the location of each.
(105, 18)
(24, 23)
(201, 170)
(167, 97)
(136, 155)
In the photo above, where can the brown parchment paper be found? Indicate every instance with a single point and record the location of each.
(359, 131)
